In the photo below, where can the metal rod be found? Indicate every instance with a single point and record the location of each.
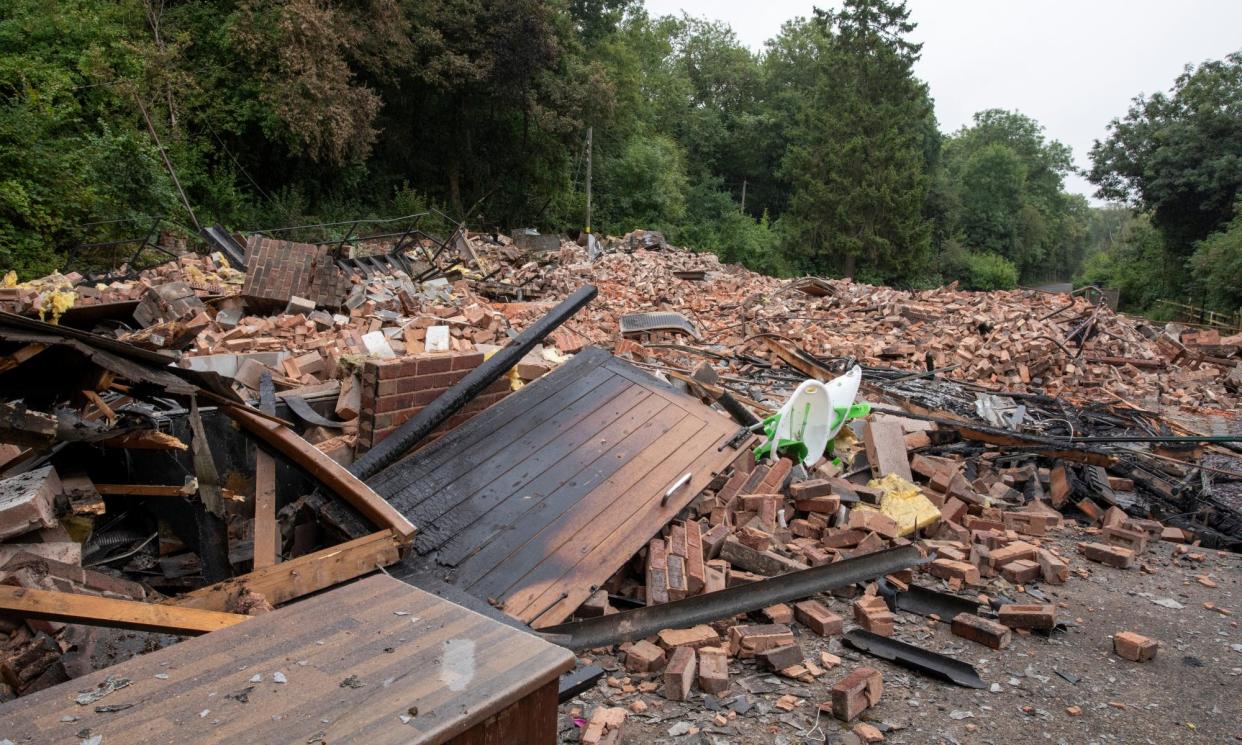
(452, 400)
(641, 622)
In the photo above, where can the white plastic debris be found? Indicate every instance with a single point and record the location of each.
(437, 339)
(377, 345)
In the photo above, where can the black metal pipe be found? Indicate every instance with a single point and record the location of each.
(421, 424)
(642, 622)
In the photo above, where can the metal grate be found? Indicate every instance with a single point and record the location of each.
(638, 323)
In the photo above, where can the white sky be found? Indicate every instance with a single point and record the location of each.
(1073, 65)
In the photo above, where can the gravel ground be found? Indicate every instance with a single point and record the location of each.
(1191, 692)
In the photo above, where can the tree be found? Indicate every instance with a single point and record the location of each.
(1217, 265)
(1178, 155)
(857, 162)
(1008, 194)
(993, 185)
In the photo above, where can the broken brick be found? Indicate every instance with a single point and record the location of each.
(815, 616)
(1134, 647)
(855, 693)
(679, 674)
(1040, 616)
(981, 630)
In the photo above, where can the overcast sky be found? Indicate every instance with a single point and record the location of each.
(1073, 65)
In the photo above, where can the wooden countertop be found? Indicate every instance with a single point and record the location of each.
(376, 662)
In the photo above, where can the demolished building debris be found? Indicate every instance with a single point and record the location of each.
(210, 443)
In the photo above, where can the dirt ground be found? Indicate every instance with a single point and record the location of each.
(1191, 692)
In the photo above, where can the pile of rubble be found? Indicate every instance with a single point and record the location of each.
(1009, 434)
(1019, 340)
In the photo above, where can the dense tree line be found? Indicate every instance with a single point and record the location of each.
(1176, 159)
(820, 154)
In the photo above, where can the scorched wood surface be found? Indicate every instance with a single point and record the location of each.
(542, 497)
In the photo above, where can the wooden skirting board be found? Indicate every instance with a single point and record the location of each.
(289, 580)
(67, 607)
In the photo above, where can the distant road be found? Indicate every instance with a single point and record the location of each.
(1065, 287)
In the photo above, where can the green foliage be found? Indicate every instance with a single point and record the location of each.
(1217, 265)
(1178, 155)
(1133, 262)
(988, 271)
(857, 160)
(715, 223)
(1007, 187)
(644, 185)
(977, 271)
(821, 154)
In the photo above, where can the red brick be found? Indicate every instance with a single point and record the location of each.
(815, 616)
(947, 569)
(782, 657)
(644, 657)
(1028, 615)
(714, 670)
(981, 630)
(855, 693)
(874, 521)
(810, 489)
(1131, 646)
(1021, 571)
(1054, 569)
(467, 361)
(1113, 556)
(679, 674)
(434, 364)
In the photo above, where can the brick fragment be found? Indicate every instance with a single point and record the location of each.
(779, 613)
(1135, 540)
(679, 674)
(694, 637)
(873, 521)
(986, 632)
(872, 614)
(644, 657)
(1021, 571)
(1054, 569)
(1113, 556)
(782, 657)
(747, 641)
(810, 489)
(1041, 616)
(1134, 647)
(713, 670)
(815, 616)
(855, 693)
(948, 569)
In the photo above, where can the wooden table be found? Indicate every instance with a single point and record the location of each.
(374, 662)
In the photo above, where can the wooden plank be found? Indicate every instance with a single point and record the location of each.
(477, 485)
(10, 361)
(266, 531)
(568, 381)
(143, 490)
(92, 610)
(594, 551)
(303, 575)
(649, 472)
(404, 648)
(595, 477)
(144, 439)
(327, 471)
(536, 503)
(432, 473)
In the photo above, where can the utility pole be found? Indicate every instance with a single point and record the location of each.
(590, 149)
(743, 195)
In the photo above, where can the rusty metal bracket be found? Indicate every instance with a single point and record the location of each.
(642, 622)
